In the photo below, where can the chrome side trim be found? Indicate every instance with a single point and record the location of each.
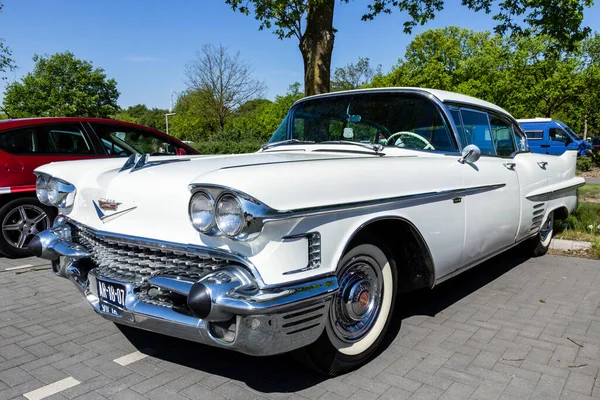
(434, 196)
(268, 213)
(552, 193)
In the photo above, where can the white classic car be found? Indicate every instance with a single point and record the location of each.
(305, 245)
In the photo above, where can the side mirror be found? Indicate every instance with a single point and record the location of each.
(470, 154)
(568, 141)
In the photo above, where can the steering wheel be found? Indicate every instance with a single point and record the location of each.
(428, 146)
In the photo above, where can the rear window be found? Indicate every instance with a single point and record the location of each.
(45, 139)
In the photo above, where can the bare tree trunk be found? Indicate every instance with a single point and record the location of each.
(316, 46)
(585, 128)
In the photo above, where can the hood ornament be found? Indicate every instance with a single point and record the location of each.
(140, 161)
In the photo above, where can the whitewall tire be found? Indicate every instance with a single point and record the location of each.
(360, 312)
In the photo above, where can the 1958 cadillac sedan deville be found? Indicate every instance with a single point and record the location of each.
(305, 245)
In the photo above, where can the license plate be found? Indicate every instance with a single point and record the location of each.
(112, 297)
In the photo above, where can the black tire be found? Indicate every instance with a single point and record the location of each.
(538, 245)
(12, 243)
(330, 354)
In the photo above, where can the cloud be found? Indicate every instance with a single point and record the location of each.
(141, 59)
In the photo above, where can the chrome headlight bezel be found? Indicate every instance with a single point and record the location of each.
(209, 225)
(55, 192)
(220, 216)
(253, 212)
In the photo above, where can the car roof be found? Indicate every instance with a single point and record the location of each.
(20, 122)
(442, 95)
(534, 120)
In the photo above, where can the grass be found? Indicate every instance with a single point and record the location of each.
(584, 223)
(590, 191)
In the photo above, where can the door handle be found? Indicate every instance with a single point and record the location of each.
(510, 165)
(542, 164)
(545, 146)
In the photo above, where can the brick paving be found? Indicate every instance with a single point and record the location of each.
(509, 329)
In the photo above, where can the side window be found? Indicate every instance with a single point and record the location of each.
(558, 135)
(18, 141)
(534, 135)
(124, 141)
(46, 139)
(477, 131)
(503, 136)
(459, 126)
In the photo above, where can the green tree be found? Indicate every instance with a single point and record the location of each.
(62, 85)
(225, 81)
(353, 76)
(141, 114)
(6, 62)
(194, 118)
(311, 22)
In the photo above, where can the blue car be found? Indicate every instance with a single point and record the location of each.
(550, 136)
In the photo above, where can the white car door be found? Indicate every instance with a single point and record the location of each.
(492, 203)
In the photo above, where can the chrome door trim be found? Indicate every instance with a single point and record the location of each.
(551, 193)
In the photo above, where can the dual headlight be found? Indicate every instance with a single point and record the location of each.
(231, 214)
(54, 192)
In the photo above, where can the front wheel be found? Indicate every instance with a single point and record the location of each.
(540, 243)
(20, 220)
(360, 312)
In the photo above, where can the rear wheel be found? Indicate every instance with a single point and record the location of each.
(20, 220)
(540, 243)
(360, 312)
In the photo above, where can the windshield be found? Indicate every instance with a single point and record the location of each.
(572, 133)
(389, 119)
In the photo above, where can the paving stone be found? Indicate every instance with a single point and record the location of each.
(580, 383)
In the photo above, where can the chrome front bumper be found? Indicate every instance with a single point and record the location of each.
(244, 318)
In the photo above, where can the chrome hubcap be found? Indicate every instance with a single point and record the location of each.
(356, 305)
(547, 227)
(22, 223)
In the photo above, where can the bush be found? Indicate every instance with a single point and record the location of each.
(584, 164)
(596, 158)
(227, 147)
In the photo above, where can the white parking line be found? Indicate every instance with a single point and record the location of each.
(18, 267)
(133, 357)
(53, 388)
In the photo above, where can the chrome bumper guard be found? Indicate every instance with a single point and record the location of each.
(240, 315)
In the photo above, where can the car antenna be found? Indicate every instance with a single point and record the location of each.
(6, 112)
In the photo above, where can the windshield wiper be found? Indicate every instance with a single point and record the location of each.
(371, 146)
(284, 142)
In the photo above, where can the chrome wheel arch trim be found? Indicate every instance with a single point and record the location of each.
(422, 243)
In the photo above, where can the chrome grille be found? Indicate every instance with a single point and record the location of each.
(136, 263)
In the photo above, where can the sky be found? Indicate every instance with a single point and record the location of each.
(145, 44)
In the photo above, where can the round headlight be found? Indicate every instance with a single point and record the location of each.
(41, 189)
(202, 211)
(52, 192)
(230, 215)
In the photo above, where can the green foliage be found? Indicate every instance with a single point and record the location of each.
(254, 121)
(586, 219)
(584, 164)
(6, 62)
(227, 147)
(140, 114)
(590, 191)
(353, 76)
(62, 85)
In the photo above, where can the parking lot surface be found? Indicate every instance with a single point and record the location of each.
(511, 328)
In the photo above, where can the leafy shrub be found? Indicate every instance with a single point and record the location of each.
(227, 147)
(584, 164)
(596, 158)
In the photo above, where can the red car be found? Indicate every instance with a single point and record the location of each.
(25, 144)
